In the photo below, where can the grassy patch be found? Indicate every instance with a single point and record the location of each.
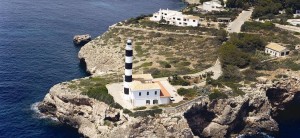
(94, 87)
(188, 93)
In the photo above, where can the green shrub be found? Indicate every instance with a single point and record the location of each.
(116, 105)
(235, 88)
(291, 65)
(164, 64)
(217, 95)
(146, 113)
(107, 123)
(140, 108)
(146, 64)
(279, 76)
(126, 111)
(215, 83)
(177, 80)
(257, 26)
(189, 93)
(155, 107)
(139, 50)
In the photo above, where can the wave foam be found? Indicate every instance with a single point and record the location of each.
(38, 114)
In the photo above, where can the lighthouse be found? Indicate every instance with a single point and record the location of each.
(128, 68)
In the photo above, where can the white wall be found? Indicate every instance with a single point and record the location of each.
(173, 18)
(274, 53)
(141, 100)
(164, 100)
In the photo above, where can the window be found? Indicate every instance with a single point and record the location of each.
(147, 93)
(147, 102)
(173, 18)
(155, 101)
(194, 20)
(165, 14)
(140, 93)
(184, 19)
(155, 92)
(155, 16)
(178, 19)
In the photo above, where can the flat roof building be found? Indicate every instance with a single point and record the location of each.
(175, 18)
(276, 50)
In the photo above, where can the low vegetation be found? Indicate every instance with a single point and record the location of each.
(145, 113)
(188, 93)
(140, 108)
(177, 80)
(217, 95)
(94, 87)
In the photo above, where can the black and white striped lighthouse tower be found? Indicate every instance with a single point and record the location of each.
(128, 68)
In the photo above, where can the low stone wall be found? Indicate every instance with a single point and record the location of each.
(185, 106)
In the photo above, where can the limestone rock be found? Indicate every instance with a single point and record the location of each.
(82, 39)
(96, 119)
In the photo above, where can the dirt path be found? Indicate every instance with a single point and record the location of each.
(216, 69)
(156, 31)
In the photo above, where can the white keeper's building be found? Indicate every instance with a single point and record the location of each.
(143, 91)
(175, 18)
(276, 50)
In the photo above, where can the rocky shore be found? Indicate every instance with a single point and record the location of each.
(252, 113)
(96, 119)
(249, 114)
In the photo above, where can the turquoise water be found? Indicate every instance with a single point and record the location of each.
(36, 52)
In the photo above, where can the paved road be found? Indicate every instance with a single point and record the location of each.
(288, 27)
(235, 26)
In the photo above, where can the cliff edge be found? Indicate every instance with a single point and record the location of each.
(95, 119)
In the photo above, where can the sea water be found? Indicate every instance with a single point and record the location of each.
(36, 52)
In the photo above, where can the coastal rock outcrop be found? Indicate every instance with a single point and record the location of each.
(96, 119)
(81, 40)
(249, 114)
(103, 60)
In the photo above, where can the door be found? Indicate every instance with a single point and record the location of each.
(155, 101)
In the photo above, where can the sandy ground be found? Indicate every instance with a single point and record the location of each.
(116, 90)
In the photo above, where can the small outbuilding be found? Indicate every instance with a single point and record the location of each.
(224, 20)
(276, 50)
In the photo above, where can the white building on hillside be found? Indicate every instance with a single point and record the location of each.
(276, 50)
(297, 14)
(294, 22)
(175, 18)
(213, 5)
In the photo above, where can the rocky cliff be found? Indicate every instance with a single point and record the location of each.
(255, 112)
(96, 119)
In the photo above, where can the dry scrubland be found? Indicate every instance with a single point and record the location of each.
(156, 53)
